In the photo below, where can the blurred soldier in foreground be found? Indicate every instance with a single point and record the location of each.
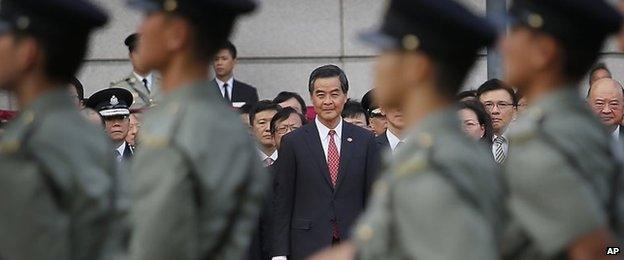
(440, 199)
(198, 184)
(56, 169)
(562, 175)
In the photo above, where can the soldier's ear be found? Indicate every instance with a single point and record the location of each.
(416, 68)
(28, 54)
(548, 54)
(178, 35)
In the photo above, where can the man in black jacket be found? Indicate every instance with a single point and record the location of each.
(235, 92)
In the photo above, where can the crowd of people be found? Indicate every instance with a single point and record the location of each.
(169, 164)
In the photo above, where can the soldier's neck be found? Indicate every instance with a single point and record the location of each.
(542, 85)
(182, 72)
(422, 103)
(31, 88)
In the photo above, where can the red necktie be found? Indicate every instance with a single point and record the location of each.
(333, 162)
(268, 162)
(333, 158)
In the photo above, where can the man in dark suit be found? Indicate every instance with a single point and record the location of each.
(324, 173)
(233, 91)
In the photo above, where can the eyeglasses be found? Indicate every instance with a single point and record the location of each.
(286, 129)
(470, 125)
(503, 106)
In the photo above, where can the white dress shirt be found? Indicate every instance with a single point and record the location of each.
(149, 78)
(121, 150)
(324, 135)
(616, 133)
(263, 156)
(393, 140)
(230, 83)
(505, 145)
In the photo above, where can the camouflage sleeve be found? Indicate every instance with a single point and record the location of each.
(549, 200)
(434, 222)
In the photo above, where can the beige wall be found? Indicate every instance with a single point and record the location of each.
(279, 45)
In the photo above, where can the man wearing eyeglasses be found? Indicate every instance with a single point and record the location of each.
(501, 103)
(606, 99)
(285, 121)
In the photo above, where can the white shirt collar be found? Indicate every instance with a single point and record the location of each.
(616, 133)
(264, 156)
(324, 130)
(230, 82)
(393, 139)
(149, 78)
(121, 149)
(494, 136)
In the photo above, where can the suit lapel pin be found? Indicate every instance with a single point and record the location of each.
(349, 139)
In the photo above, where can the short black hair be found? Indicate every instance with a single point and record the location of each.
(228, 45)
(211, 29)
(483, 116)
(352, 109)
(244, 109)
(282, 115)
(496, 84)
(450, 72)
(78, 86)
(467, 94)
(63, 50)
(328, 71)
(262, 105)
(577, 61)
(131, 41)
(286, 95)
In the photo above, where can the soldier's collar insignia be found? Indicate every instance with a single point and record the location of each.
(114, 101)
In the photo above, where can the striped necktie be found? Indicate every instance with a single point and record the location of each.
(499, 152)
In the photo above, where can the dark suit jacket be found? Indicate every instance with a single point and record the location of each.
(305, 203)
(241, 92)
(260, 248)
(382, 141)
(128, 153)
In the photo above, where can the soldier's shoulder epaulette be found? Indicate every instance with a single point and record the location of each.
(164, 132)
(21, 126)
(125, 80)
(527, 128)
(413, 162)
